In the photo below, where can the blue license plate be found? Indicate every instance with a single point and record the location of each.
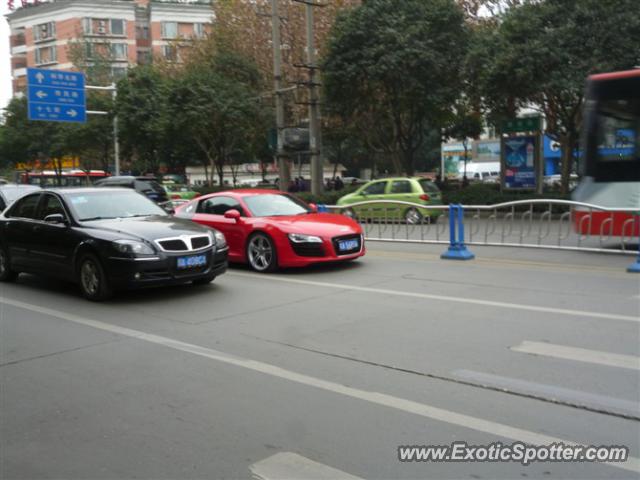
(347, 245)
(192, 261)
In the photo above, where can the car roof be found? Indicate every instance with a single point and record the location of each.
(70, 190)
(18, 186)
(248, 192)
(130, 177)
(400, 178)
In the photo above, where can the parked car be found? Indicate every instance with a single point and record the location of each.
(106, 239)
(148, 186)
(10, 192)
(269, 229)
(177, 191)
(417, 190)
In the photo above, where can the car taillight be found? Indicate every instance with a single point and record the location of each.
(175, 197)
(425, 197)
(197, 195)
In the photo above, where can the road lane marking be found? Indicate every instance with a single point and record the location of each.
(579, 354)
(290, 466)
(381, 399)
(564, 396)
(443, 298)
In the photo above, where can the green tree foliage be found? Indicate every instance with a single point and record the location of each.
(393, 70)
(540, 54)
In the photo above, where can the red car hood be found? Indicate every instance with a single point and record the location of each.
(323, 224)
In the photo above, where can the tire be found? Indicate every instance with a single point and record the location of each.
(412, 216)
(261, 253)
(92, 280)
(6, 274)
(203, 280)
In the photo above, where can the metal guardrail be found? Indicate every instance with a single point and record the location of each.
(551, 224)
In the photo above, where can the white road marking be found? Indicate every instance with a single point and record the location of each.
(579, 354)
(382, 399)
(290, 466)
(444, 298)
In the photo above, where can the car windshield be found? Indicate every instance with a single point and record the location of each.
(111, 204)
(274, 205)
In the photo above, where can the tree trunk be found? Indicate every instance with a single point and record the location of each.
(567, 144)
(407, 156)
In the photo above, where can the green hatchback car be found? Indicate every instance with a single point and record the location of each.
(176, 191)
(417, 190)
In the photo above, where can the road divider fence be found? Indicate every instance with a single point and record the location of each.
(541, 223)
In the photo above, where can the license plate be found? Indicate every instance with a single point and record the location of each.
(346, 245)
(193, 261)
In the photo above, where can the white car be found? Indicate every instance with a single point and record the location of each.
(10, 192)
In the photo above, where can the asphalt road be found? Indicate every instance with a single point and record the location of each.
(324, 372)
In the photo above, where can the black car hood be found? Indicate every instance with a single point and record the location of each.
(149, 228)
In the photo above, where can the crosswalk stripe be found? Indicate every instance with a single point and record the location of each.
(579, 354)
(397, 403)
(290, 466)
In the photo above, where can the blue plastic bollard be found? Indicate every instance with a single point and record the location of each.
(322, 208)
(635, 266)
(457, 249)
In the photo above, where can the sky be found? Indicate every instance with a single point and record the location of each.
(5, 65)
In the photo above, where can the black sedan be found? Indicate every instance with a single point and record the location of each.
(106, 239)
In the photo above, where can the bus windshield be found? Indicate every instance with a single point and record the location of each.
(613, 130)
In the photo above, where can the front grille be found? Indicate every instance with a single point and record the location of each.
(200, 242)
(173, 245)
(307, 249)
(185, 243)
(356, 249)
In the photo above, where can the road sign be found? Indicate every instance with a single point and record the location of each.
(56, 95)
(517, 125)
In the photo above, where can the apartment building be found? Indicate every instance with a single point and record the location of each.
(47, 34)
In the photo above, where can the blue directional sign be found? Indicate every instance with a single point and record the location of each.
(56, 95)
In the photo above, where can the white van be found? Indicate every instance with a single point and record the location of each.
(480, 171)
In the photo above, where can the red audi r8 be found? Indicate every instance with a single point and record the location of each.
(268, 229)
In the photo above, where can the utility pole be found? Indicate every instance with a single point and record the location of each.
(315, 134)
(283, 165)
(116, 144)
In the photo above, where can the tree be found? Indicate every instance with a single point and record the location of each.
(394, 69)
(215, 103)
(540, 54)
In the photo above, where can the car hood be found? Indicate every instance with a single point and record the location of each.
(326, 224)
(149, 228)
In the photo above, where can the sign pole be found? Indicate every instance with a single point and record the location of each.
(116, 143)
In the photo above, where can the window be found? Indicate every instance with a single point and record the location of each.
(401, 186)
(198, 30)
(118, 72)
(219, 206)
(169, 29)
(170, 53)
(89, 50)
(428, 186)
(144, 57)
(375, 188)
(44, 31)
(51, 206)
(142, 32)
(86, 26)
(25, 207)
(117, 26)
(46, 55)
(119, 51)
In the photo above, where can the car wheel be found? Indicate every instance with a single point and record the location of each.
(413, 216)
(92, 279)
(6, 274)
(204, 280)
(261, 253)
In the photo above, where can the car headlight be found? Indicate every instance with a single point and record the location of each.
(133, 247)
(301, 238)
(221, 242)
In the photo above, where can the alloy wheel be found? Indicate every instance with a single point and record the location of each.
(260, 252)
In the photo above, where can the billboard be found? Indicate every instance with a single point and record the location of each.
(519, 161)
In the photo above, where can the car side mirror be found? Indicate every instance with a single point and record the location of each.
(232, 214)
(56, 218)
(313, 207)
